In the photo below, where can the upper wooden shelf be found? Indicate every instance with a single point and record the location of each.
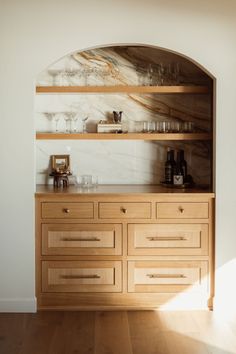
(123, 136)
(123, 89)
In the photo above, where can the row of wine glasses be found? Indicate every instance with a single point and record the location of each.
(158, 74)
(70, 120)
(164, 127)
(85, 75)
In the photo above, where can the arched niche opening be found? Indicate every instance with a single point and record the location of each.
(150, 86)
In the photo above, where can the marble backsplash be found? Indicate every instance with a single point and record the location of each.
(127, 162)
(124, 162)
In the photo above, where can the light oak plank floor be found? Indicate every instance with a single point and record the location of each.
(118, 332)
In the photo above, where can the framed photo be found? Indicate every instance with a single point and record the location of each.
(60, 163)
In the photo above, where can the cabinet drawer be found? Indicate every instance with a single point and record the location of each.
(125, 210)
(81, 239)
(67, 210)
(167, 277)
(182, 210)
(81, 276)
(168, 239)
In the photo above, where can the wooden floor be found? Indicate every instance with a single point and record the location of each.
(121, 332)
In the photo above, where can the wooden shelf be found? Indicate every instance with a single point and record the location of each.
(124, 89)
(123, 136)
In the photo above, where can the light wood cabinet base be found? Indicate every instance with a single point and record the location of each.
(129, 250)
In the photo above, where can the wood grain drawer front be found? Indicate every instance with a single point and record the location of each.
(165, 277)
(81, 276)
(81, 239)
(182, 210)
(125, 210)
(168, 239)
(67, 210)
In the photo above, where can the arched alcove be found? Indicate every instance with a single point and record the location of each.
(96, 82)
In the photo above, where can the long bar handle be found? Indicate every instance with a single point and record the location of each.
(81, 239)
(166, 238)
(163, 276)
(92, 276)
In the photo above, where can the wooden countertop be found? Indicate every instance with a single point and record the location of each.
(121, 189)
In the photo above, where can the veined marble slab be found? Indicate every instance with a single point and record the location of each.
(131, 162)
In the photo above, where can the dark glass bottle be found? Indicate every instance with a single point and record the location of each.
(178, 177)
(183, 165)
(169, 166)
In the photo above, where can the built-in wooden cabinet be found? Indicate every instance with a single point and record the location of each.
(124, 247)
(136, 246)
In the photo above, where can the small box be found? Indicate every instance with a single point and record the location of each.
(108, 128)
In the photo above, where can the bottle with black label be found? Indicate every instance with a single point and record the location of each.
(169, 166)
(183, 164)
(178, 178)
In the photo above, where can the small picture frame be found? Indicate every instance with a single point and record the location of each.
(60, 163)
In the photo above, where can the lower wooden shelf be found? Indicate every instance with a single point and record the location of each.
(123, 136)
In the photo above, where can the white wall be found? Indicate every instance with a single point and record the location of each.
(35, 33)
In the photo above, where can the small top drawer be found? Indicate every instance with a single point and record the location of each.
(125, 210)
(182, 210)
(67, 210)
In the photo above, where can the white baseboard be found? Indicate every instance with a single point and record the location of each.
(18, 305)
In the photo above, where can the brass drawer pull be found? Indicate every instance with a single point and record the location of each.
(124, 210)
(81, 239)
(181, 209)
(66, 210)
(168, 238)
(92, 276)
(163, 276)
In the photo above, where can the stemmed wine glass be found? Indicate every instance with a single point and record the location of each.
(74, 120)
(67, 118)
(54, 74)
(71, 119)
(53, 117)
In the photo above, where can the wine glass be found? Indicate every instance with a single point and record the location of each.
(74, 120)
(84, 124)
(105, 73)
(161, 74)
(54, 74)
(56, 119)
(53, 117)
(67, 119)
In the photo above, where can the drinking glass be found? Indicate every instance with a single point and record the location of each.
(74, 121)
(67, 118)
(165, 127)
(151, 127)
(175, 127)
(85, 73)
(115, 74)
(54, 117)
(105, 73)
(145, 126)
(161, 74)
(150, 74)
(84, 128)
(188, 127)
(54, 73)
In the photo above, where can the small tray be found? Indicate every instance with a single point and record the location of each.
(178, 186)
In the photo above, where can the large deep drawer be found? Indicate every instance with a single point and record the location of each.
(167, 276)
(81, 239)
(81, 276)
(168, 239)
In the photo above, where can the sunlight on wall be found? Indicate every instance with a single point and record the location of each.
(225, 291)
